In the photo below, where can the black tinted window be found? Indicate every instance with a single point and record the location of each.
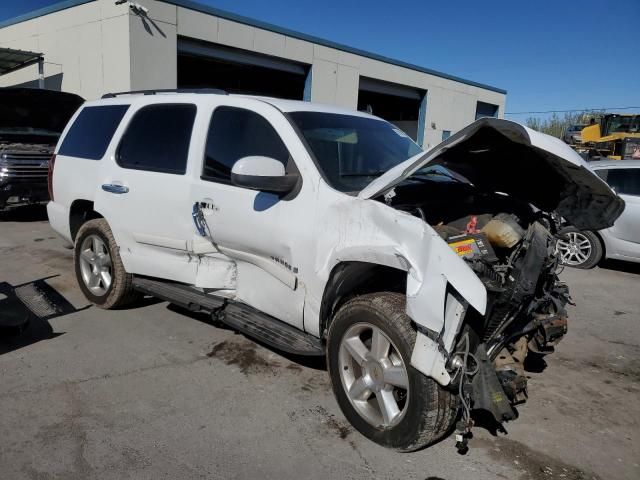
(157, 139)
(90, 134)
(235, 133)
(625, 180)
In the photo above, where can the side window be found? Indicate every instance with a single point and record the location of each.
(602, 173)
(625, 180)
(235, 133)
(157, 138)
(90, 134)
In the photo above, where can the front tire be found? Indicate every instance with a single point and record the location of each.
(387, 400)
(582, 249)
(99, 270)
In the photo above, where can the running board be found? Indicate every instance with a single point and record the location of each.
(271, 331)
(238, 316)
(179, 294)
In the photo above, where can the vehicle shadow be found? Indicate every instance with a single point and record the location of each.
(29, 213)
(25, 311)
(621, 266)
(315, 363)
(141, 302)
(485, 420)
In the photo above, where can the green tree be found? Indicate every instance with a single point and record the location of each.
(555, 125)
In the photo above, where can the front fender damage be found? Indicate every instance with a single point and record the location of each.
(440, 289)
(440, 285)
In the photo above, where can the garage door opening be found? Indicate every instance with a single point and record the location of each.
(203, 65)
(486, 110)
(403, 106)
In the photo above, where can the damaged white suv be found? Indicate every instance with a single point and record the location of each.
(425, 278)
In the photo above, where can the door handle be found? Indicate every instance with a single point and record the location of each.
(113, 188)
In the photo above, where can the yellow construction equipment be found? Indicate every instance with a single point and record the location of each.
(616, 136)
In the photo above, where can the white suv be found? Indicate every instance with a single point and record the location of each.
(425, 278)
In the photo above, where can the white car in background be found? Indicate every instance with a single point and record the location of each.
(584, 248)
(573, 134)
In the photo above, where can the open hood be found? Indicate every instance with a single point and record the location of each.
(502, 156)
(32, 109)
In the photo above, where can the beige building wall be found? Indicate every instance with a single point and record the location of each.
(101, 47)
(86, 49)
(153, 45)
(335, 74)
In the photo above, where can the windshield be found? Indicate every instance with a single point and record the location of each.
(626, 124)
(351, 151)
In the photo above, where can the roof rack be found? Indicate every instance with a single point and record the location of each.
(215, 91)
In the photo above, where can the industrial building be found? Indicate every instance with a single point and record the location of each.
(92, 47)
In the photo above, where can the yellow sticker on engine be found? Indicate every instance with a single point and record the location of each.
(464, 247)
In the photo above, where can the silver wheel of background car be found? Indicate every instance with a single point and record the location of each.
(576, 250)
(373, 375)
(95, 265)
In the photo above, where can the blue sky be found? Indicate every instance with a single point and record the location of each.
(549, 55)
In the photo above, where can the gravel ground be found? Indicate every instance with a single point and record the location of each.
(152, 392)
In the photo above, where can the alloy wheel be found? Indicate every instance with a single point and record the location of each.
(373, 375)
(95, 265)
(576, 250)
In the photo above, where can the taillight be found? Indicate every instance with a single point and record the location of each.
(52, 162)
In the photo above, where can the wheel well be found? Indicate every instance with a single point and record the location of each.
(81, 211)
(351, 279)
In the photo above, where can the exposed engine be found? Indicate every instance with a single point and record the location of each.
(512, 249)
(525, 298)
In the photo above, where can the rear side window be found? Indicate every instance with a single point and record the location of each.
(235, 133)
(157, 138)
(90, 134)
(624, 180)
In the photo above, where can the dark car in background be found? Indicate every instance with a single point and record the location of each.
(31, 121)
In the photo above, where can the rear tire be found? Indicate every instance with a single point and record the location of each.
(99, 270)
(421, 413)
(583, 249)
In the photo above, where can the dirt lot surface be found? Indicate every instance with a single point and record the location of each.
(151, 393)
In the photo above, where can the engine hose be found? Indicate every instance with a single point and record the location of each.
(462, 369)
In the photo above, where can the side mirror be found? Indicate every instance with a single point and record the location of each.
(264, 174)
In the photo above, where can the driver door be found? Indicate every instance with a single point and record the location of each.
(264, 235)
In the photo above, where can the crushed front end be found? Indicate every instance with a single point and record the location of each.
(494, 193)
(525, 317)
(481, 347)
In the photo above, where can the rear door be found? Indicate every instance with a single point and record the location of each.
(82, 154)
(144, 193)
(626, 183)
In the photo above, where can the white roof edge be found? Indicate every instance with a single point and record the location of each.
(287, 105)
